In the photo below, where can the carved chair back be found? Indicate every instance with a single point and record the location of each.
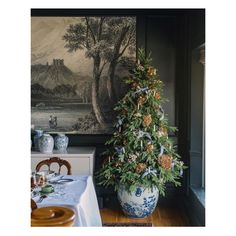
(57, 160)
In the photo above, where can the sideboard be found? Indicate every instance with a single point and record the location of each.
(81, 159)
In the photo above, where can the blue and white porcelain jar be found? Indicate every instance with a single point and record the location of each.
(46, 143)
(38, 134)
(61, 142)
(140, 203)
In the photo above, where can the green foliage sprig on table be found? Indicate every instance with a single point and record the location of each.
(140, 151)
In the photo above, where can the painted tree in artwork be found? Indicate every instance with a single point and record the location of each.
(105, 40)
(89, 35)
(123, 36)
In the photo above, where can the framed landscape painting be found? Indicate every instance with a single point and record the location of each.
(77, 69)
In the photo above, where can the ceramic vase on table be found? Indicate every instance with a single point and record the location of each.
(61, 142)
(140, 203)
(37, 136)
(46, 143)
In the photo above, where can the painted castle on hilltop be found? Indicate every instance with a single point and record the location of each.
(56, 62)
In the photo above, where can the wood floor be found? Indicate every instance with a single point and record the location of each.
(162, 216)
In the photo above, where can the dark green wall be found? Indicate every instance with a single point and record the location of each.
(196, 41)
(197, 83)
(169, 34)
(194, 204)
(161, 41)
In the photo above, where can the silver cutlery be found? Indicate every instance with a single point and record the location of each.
(41, 198)
(56, 180)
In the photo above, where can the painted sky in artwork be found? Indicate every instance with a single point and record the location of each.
(47, 44)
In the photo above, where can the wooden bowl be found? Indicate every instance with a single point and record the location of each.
(52, 216)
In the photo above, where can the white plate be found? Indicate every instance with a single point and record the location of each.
(62, 181)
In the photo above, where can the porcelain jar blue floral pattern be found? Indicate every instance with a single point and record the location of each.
(38, 134)
(140, 203)
(61, 142)
(46, 143)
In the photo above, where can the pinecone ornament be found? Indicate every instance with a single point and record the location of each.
(134, 85)
(147, 120)
(149, 147)
(140, 167)
(151, 71)
(165, 161)
(162, 132)
(157, 96)
(141, 100)
(118, 164)
(140, 67)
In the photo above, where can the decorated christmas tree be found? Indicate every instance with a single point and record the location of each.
(140, 152)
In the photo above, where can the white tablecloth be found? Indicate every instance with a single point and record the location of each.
(81, 197)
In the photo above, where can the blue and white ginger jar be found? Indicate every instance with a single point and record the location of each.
(140, 203)
(61, 142)
(38, 134)
(46, 143)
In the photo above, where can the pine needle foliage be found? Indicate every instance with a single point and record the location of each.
(140, 151)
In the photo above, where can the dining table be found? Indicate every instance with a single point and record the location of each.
(76, 192)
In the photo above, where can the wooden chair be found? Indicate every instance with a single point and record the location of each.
(57, 160)
(52, 216)
(33, 205)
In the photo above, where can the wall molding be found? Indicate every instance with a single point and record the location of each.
(195, 210)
